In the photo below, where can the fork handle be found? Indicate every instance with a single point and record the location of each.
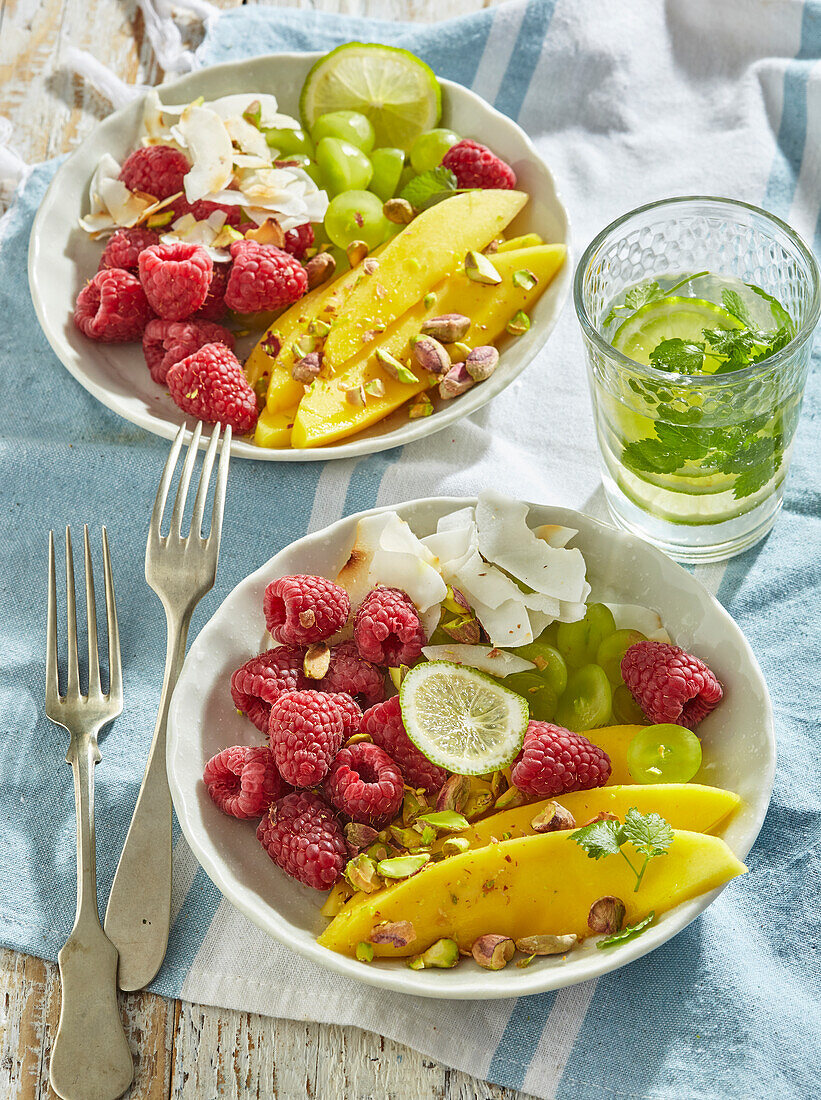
(90, 1058)
(138, 917)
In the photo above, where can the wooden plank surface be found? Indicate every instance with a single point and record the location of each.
(182, 1051)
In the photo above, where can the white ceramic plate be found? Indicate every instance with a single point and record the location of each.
(62, 258)
(738, 743)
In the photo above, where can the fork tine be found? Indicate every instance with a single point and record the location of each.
(185, 481)
(91, 612)
(205, 478)
(219, 491)
(165, 481)
(73, 677)
(52, 683)
(115, 672)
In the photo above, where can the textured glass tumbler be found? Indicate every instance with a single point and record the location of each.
(696, 463)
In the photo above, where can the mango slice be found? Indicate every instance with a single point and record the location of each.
(536, 884)
(274, 428)
(615, 741)
(432, 247)
(529, 240)
(685, 805)
(325, 415)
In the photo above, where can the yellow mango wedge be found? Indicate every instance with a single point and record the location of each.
(274, 428)
(685, 805)
(534, 885)
(432, 247)
(325, 415)
(529, 240)
(615, 741)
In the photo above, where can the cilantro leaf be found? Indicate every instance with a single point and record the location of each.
(650, 456)
(629, 932)
(428, 188)
(680, 356)
(601, 838)
(641, 294)
(649, 834)
(734, 304)
(754, 463)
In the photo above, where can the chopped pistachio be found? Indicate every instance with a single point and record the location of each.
(394, 367)
(160, 219)
(442, 955)
(319, 328)
(397, 675)
(364, 952)
(524, 278)
(448, 821)
(429, 299)
(402, 866)
(361, 874)
(375, 388)
(421, 407)
(458, 352)
(455, 845)
(519, 323)
(479, 268)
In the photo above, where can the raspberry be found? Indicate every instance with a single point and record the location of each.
(112, 307)
(302, 836)
(351, 711)
(299, 240)
(211, 385)
(175, 278)
(156, 170)
(262, 679)
(166, 342)
(263, 277)
(306, 730)
(213, 308)
(302, 609)
(554, 761)
(474, 165)
(670, 685)
(350, 673)
(365, 784)
(384, 723)
(244, 782)
(202, 209)
(387, 629)
(124, 246)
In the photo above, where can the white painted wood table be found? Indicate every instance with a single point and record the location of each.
(184, 1051)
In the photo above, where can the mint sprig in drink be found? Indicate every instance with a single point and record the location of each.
(697, 315)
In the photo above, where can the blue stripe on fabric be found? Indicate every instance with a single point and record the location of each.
(187, 935)
(363, 488)
(525, 57)
(792, 132)
(516, 1048)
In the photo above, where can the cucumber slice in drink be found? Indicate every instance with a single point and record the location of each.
(670, 319)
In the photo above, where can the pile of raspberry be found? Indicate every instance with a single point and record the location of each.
(172, 295)
(336, 750)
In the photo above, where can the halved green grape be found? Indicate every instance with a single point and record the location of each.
(587, 701)
(613, 648)
(356, 216)
(351, 126)
(429, 148)
(290, 141)
(540, 696)
(579, 642)
(626, 711)
(664, 754)
(387, 168)
(343, 166)
(549, 664)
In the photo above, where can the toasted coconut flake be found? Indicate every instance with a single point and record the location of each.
(247, 138)
(631, 616)
(202, 133)
(554, 535)
(506, 625)
(270, 118)
(498, 662)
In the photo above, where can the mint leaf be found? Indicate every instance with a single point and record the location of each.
(650, 456)
(684, 443)
(755, 463)
(734, 304)
(428, 188)
(649, 834)
(602, 838)
(680, 356)
(629, 932)
(640, 295)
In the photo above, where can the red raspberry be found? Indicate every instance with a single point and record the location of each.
(350, 673)
(202, 209)
(175, 278)
(112, 307)
(306, 730)
(166, 342)
(365, 784)
(301, 609)
(213, 308)
(156, 170)
(554, 761)
(302, 836)
(384, 723)
(670, 685)
(124, 246)
(262, 679)
(244, 782)
(211, 385)
(299, 240)
(474, 165)
(387, 629)
(351, 711)
(263, 277)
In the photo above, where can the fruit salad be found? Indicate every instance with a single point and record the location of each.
(470, 755)
(361, 253)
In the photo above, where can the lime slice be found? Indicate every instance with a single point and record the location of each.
(399, 93)
(462, 719)
(669, 319)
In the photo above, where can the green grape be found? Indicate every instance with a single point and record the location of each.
(290, 141)
(355, 216)
(343, 166)
(626, 711)
(549, 664)
(664, 754)
(612, 649)
(312, 169)
(405, 177)
(296, 160)
(540, 696)
(579, 642)
(587, 700)
(429, 148)
(350, 126)
(387, 168)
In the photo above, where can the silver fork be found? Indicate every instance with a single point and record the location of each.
(180, 570)
(90, 1059)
